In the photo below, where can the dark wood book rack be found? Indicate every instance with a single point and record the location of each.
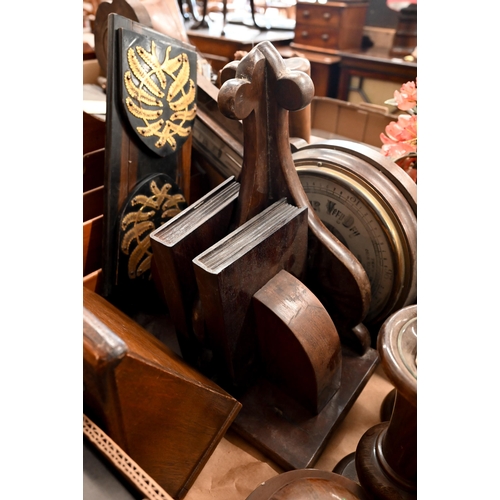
(272, 343)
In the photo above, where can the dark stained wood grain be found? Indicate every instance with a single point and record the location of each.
(93, 169)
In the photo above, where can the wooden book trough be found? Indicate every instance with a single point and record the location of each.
(164, 414)
(271, 343)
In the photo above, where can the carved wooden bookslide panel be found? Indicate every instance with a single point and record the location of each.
(158, 409)
(244, 301)
(175, 244)
(151, 107)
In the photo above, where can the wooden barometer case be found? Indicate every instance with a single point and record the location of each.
(370, 204)
(234, 267)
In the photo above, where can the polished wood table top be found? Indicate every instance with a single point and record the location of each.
(376, 54)
(237, 37)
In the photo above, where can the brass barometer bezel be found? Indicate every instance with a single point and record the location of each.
(387, 192)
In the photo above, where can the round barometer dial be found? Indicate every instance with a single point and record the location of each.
(369, 204)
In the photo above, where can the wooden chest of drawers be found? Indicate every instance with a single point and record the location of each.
(329, 26)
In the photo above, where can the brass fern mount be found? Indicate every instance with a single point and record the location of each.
(150, 93)
(136, 241)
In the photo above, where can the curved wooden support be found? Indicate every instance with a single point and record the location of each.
(261, 93)
(298, 341)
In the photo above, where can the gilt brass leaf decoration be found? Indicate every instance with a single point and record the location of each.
(141, 217)
(159, 93)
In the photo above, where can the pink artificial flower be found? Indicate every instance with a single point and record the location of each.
(402, 131)
(398, 149)
(401, 137)
(406, 96)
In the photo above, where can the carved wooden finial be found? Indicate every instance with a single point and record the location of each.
(261, 90)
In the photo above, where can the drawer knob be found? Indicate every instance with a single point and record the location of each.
(306, 13)
(325, 37)
(327, 15)
(304, 34)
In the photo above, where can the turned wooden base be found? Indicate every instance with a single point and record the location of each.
(375, 474)
(347, 467)
(385, 461)
(308, 483)
(286, 431)
(387, 406)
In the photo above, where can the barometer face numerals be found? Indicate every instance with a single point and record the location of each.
(355, 224)
(370, 216)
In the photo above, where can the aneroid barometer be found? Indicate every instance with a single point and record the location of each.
(369, 204)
